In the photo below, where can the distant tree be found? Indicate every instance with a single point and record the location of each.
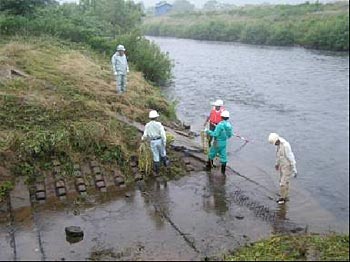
(211, 5)
(23, 7)
(181, 6)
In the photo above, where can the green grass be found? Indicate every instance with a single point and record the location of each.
(314, 247)
(64, 106)
(318, 26)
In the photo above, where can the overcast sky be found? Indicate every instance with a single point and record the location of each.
(199, 3)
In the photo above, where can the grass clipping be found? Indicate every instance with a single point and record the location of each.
(145, 158)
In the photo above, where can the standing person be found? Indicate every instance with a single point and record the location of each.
(285, 164)
(214, 117)
(222, 132)
(155, 133)
(120, 68)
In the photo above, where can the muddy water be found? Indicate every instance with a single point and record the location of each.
(301, 94)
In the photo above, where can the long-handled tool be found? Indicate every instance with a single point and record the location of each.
(241, 137)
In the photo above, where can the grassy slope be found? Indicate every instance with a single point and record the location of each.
(64, 107)
(302, 247)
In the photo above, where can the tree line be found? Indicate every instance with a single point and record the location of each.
(317, 26)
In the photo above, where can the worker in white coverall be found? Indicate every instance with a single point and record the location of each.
(120, 68)
(285, 164)
(155, 133)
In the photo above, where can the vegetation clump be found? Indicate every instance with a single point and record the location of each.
(310, 247)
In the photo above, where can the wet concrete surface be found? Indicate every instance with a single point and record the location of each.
(200, 215)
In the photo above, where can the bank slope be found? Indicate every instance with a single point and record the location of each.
(58, 101)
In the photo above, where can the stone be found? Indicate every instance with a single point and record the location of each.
(96, 170)
(77, 173)
(138, 177)
(80, 181)
(98, 178)
(40, 195)
(127, 194)
(103, 189)
(93, 163)
(133, 164)
(100, 184)
(76, 167)
(81, 188)
(119, 180)
(74, 231)
(56, 163)
(61, 191)
(59, 183)
(39, 187)
(186, 126)
(189, 168)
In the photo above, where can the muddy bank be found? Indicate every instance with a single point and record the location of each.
(201, 215)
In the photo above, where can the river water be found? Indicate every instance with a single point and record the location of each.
(303, 95)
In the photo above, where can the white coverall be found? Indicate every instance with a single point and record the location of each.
(120, 68)
(285, 161)
(155, 132)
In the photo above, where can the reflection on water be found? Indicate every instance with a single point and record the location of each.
(215, 198)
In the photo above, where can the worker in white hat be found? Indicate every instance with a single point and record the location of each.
(155, 133)
(222, 132)
(285, 164)
(120, 68)
(214, 117)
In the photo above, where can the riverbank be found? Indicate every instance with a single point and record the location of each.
(316, 26)
(308, 247)
(58, 104)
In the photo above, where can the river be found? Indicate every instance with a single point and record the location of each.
(301, 94)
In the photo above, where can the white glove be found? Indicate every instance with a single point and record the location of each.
(205, 130)
(127, 70)
(115, 73)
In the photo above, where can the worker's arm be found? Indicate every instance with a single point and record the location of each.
(216, 131)
(113, 64)
(290, 156)
(145, 133)
(163, 134)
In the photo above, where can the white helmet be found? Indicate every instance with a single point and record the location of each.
(120, 48)
(218, 102)
(225, 113)
(273, 137)
(153, 114)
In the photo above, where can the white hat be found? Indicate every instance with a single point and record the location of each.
(218, 102)
(120, 48)
(225, 113)
(153, 114)
(273, 137)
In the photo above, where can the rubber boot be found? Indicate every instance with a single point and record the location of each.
(223, 168)
(209, 165)
(156, 168)
(165, 161)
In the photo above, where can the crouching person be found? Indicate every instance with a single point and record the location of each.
(155, 133)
